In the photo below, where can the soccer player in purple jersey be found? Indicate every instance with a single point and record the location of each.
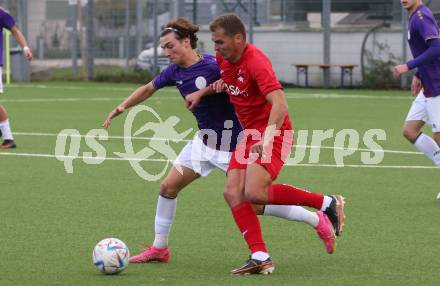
(189, 72)
(7, 22)
(424, 41)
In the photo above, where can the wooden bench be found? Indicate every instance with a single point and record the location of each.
(304, 69)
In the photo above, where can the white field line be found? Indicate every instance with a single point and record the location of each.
(289, 95)
(67, 99)
(160, 98)
(165, 160)
(72, 87)
(110, 137)
(187, 140)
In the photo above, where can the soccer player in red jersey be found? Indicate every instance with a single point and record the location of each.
(190, 71)
(258, 99)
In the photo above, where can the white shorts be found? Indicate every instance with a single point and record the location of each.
(426, 109)
(201, 158)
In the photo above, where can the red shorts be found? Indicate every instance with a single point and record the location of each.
(275, 154)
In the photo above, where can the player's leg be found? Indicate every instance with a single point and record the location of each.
(318, 220)
(423, 110)
(436, 137)
(5, 129)
(180, 175)
(248, 224)
(165, 213)
(412, 129)
(293, 213)
(167, 201)
(433, 110)
(259, 188)
(423, 142)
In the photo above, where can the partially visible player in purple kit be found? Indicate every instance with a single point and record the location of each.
(7, 22)
(424, 41)
(189, 72)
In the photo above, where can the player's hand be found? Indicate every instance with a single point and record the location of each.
(416, 86)
(400, 69)
(257, 150)
(27, 53)
(219, 86)
(192, 100)
(115, 112)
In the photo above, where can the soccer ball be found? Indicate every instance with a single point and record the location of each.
(111, 256)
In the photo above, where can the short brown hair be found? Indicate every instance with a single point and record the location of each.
(183, 28)
(231, 23)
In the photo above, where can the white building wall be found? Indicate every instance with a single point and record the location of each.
(36, 17)
(287, 48)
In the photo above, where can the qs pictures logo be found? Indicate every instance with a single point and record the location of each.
(161, 129)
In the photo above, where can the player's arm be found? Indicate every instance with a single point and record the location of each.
(278, 112)
(21, 40)
(138, 96)
(277, 116)
(279, 108)
(416, 85)
(433, 52)
(193, 99)
(426, 27)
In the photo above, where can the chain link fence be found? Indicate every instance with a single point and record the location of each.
(85, 38)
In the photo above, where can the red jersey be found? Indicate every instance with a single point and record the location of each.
(248, 82)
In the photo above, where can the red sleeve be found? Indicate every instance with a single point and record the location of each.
(261, 70)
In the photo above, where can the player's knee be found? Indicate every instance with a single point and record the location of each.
(233, 194)
(436, 137)
(259, 209)
(3, 113)
(167, 190)
(230, 192)
(410, 133)
(255, 195)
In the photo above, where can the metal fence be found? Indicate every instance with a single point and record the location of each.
(82, 35)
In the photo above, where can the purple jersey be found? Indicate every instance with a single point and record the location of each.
(213, 110)
(422, 27)
(6, 21)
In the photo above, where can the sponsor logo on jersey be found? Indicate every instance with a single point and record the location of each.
(201, 82)
(234, 90)
(240, 76)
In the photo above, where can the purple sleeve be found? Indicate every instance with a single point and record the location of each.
(427, 26)
(417, 74)
(165, 78)
(6, 20)
(432, 53)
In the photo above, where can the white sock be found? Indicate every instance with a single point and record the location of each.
(6, 130)
(295, 213)
(260, 255)
(326, 203)
(165, 212)
(429, 147)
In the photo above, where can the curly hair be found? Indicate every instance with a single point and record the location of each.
(183, 28)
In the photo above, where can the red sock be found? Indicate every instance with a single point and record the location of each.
(282, 194)
(249, 225)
